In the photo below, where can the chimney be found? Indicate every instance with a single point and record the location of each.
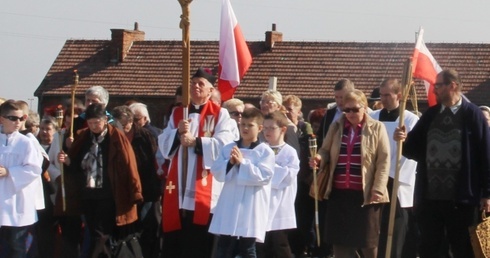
(122, 40)
(272, 37)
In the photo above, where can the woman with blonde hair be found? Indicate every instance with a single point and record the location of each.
(356, 157)
(270, 101)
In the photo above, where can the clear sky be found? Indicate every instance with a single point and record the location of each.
(33, 32)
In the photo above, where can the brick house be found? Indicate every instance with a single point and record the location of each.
(132, 68)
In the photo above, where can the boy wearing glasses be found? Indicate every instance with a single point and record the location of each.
(246, 167)
(282, 215)
(20, 181)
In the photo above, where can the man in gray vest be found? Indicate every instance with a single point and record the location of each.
(451, 144)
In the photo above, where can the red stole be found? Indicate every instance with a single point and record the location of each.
(208, 118)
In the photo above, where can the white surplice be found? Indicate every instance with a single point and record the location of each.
(39, 181)
(407, 166)
(284, 187)
(243, 206)
(223, 134)
(21, 190)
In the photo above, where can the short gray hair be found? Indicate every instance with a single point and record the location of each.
(100, 92)
(274, 94)
(141, 108)
(233, 103)
(32, 119)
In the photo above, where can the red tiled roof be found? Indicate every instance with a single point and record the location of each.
(306, 69)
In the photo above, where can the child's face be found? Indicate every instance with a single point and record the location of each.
(12, 121)
(249, 129)
(273, 133)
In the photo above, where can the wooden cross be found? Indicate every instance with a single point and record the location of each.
(170, 187)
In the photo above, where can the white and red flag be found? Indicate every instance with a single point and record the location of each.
(425, 67)
(234, 55)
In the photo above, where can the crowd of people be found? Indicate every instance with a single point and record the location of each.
(229, 179)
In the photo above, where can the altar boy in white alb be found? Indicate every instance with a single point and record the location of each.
(282, 214)
(246, 168)
(20, 181)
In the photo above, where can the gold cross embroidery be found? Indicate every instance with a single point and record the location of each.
(170, 187)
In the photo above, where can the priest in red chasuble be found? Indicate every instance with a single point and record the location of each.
(190, 195)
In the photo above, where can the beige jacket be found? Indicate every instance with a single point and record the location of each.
(375, 157)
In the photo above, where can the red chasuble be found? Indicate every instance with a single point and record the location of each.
(209, 116)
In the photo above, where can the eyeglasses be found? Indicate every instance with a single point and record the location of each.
(437, 85)
(270, 128)
(136, 119)
(15, 118)
(236, 113)
(353, 109)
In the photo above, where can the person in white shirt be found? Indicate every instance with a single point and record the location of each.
(282, 215)
(190, 196)
(20, 181)
(246, 168)
(390, 94)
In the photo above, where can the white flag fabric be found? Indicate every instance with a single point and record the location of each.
(234, 55)
(425, 67)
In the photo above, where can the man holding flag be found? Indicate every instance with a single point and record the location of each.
(390, 92)
(451, 144)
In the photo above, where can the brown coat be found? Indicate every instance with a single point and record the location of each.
(375, 157)
(123, 175)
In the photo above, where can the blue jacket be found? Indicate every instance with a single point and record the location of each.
(474, 178)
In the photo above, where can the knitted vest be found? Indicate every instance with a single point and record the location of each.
(444, 155)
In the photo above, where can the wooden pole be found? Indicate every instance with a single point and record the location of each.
(186, 54)
(415, 101)
(59, 120)
(313, 149)
(406, 85)
(73, 89)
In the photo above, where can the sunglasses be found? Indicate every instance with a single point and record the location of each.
(354, 110)
(15, 118)
(235, 113)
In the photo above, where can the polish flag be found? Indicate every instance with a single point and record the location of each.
(234, 55)
(425, 67)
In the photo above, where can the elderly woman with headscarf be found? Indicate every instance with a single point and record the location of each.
(356, 157)
(103, 178)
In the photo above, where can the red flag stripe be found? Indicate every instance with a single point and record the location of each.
(425, 67)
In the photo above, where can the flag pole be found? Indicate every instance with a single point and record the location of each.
(186, 53)
(406, 86)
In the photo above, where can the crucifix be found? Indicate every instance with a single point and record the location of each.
(186, 63)
(170, 187)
